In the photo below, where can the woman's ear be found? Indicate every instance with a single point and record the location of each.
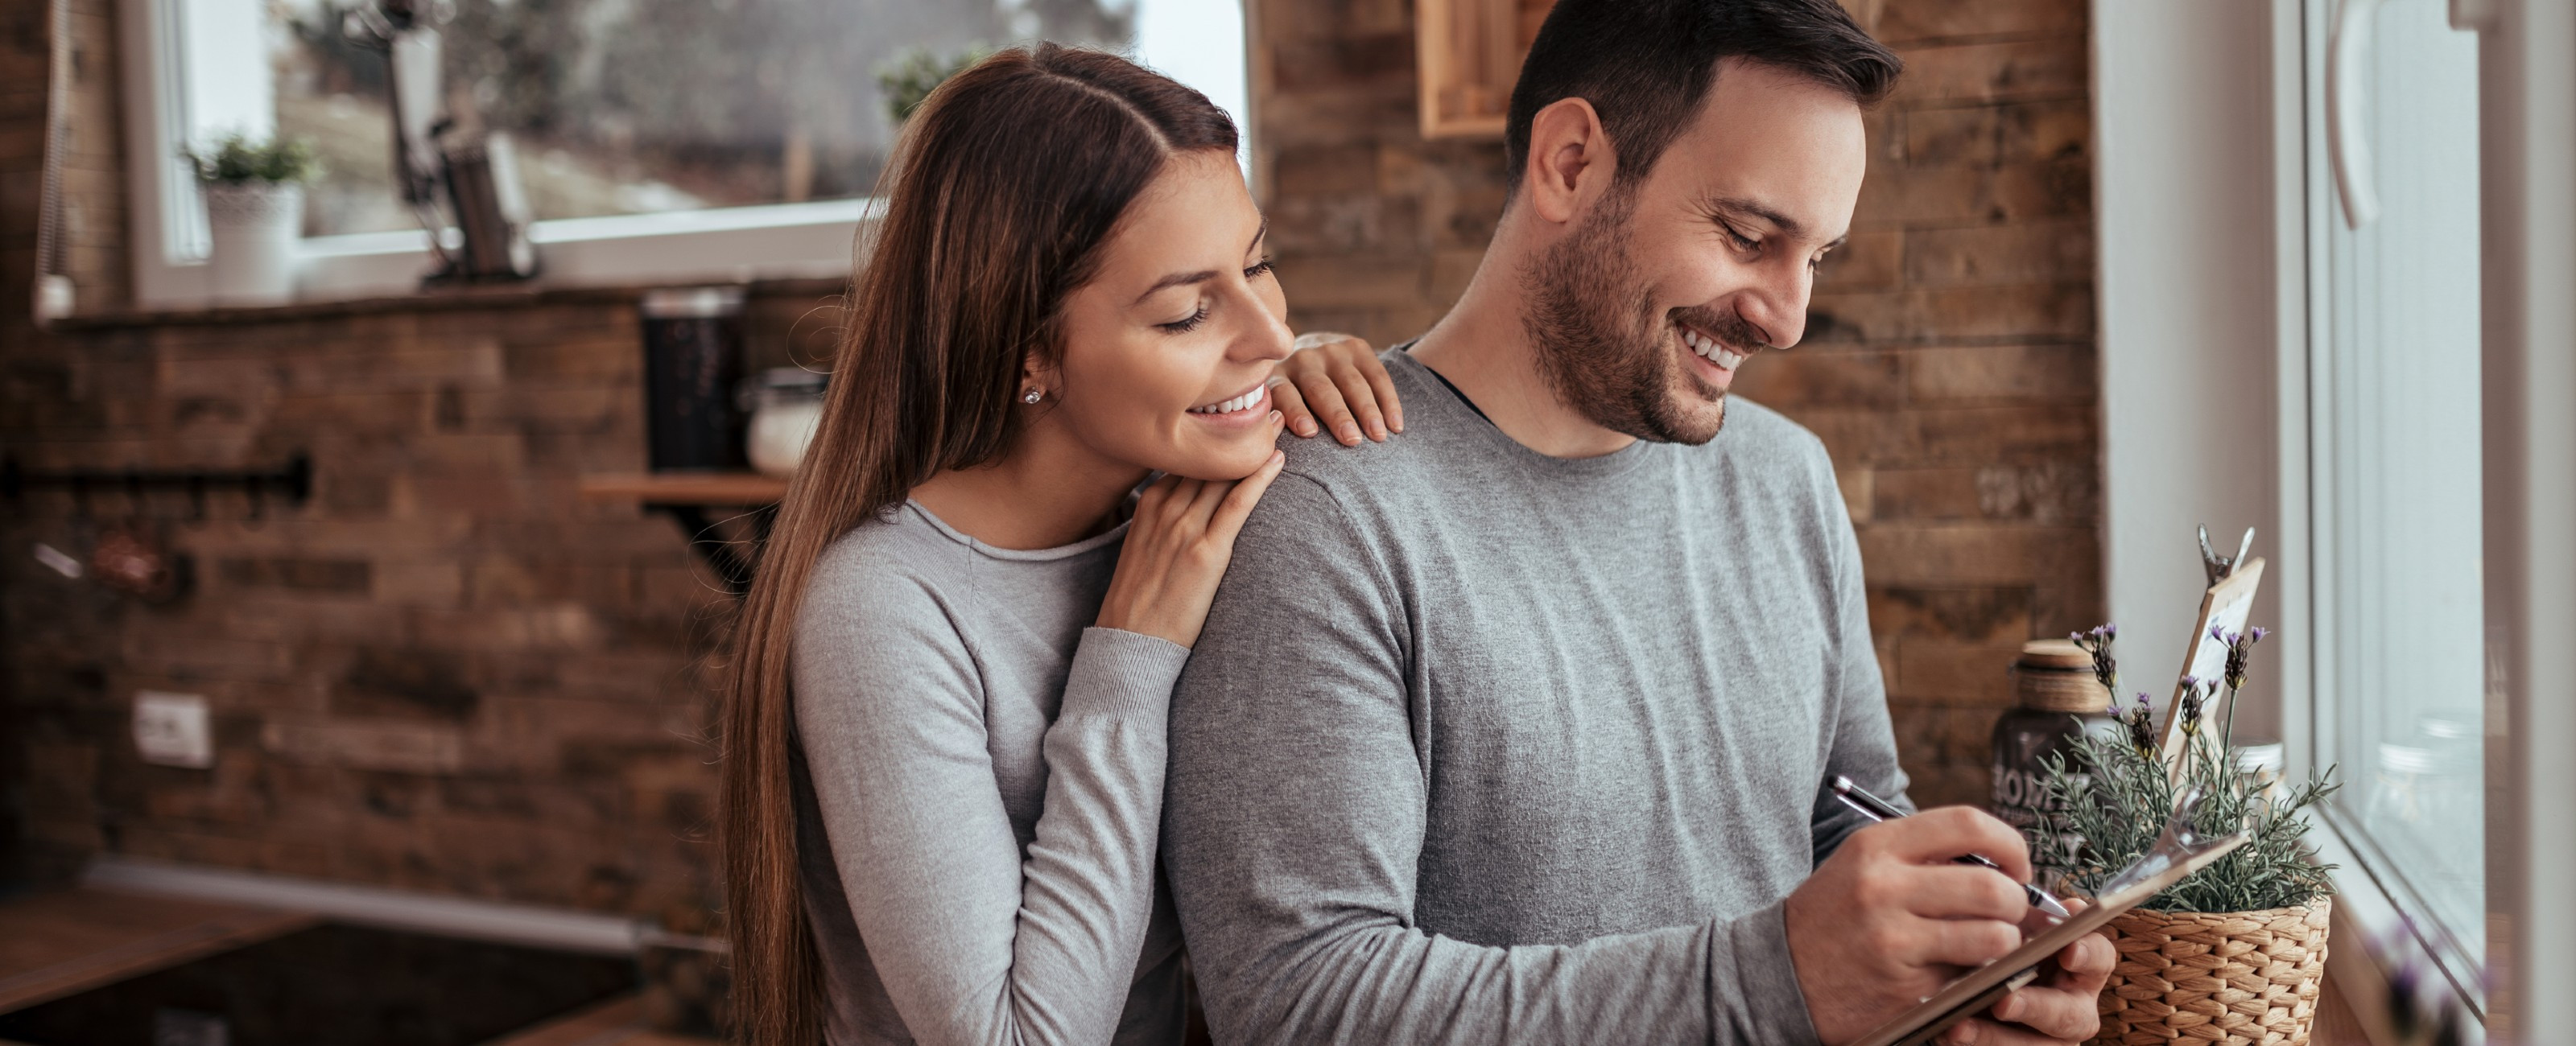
(1038, 378)
(1571, 163)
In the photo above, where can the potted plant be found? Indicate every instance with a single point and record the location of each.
(254, 193)
(2235, 953)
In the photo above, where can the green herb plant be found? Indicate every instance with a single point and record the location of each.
(238, 159)
(907, 79)
(2117, 792)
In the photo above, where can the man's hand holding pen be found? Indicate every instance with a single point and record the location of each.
(1890, 918)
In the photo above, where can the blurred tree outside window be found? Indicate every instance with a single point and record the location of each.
(639, 106)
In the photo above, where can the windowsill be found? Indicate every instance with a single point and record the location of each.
(577, 259)
(430, 299)
(2370, 939)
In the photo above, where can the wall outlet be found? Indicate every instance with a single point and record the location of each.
(173, 729)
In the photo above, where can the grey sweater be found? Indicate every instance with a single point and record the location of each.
(1485, 746)
(979, 787)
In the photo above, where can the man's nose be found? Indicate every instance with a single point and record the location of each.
(1779, 309)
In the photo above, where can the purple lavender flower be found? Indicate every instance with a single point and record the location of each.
(2240, 648)
(2141, 723)
(2097, 642)
(2195, 697)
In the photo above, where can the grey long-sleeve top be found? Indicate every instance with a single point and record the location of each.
(980, 786)
(1482, 746)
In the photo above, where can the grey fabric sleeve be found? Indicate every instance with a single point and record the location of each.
(974, 943)
(1295, 824)
(1863, 743)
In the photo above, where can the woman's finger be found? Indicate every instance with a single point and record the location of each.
(1203, 503)
(1325, 399)
(1230, 515)
(1362, 397)
(1373, 370)
(1176, 506)
(1291, 404)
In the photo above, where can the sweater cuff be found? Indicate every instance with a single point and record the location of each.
(1753, 986)
(1121, 673)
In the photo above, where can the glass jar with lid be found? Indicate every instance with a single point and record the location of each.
(786, 405)
(2058, 701)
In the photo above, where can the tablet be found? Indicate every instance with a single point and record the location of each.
(1986, 985)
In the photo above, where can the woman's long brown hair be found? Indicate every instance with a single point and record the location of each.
(1004, 185)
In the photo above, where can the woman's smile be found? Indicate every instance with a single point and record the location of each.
(1239, 409)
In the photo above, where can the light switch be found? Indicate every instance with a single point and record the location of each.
(173, 729)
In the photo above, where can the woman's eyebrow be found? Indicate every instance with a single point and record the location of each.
(1183, 279)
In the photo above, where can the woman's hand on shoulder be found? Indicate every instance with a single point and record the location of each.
(1176, 550)
(1337, 379)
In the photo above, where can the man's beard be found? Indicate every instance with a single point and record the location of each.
(1604, 347)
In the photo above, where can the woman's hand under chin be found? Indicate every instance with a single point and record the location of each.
(1177, 549)
(1338, 378)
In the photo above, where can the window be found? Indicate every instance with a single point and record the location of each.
(2395, 506)
(657, 140)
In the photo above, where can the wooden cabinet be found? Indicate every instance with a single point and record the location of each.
(1468, 52)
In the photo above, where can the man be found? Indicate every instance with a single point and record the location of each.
(1511, 729)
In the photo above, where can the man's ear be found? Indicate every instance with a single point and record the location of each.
(1571, 163)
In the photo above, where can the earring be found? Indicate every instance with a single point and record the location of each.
(1032, 396)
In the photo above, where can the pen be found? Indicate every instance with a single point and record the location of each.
(1877, 809)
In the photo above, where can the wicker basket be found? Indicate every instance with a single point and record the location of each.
(2234, 978)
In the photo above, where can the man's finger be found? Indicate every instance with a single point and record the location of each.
(1968, 942)
(1978, 1031)
(1965, 891)
(1940, 834)
(2054, 1013)
(2088, 960)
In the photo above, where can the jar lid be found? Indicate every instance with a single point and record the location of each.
(2055, 653)
(2055, 675)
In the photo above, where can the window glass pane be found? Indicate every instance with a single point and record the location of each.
(634, 106)
(2398, 504)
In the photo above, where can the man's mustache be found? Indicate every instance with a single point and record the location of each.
(1731, 329)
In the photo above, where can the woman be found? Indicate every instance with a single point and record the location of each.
(943, 790)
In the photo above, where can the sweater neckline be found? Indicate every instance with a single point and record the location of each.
(1022, 555)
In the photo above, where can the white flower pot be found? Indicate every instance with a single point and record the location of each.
(254, 227)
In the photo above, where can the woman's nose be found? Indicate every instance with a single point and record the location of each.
(1265, 336)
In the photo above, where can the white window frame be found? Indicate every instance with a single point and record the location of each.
(730, 244)
(2177, 149)
(727, 244)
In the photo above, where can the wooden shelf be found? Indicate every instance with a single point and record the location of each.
(685, 488)
(1468, 53)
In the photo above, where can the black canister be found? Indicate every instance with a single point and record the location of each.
(2060, 701)
(692, 362)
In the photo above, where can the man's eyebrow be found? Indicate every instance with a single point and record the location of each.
(1184, 279)
(1788, 226)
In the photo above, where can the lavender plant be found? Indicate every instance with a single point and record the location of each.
(2116, 794)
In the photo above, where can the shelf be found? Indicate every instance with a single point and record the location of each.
(684, 488)
(1468, 53)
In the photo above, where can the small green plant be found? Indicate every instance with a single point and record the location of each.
(238, 159)
(2117, 792)
(907, 79)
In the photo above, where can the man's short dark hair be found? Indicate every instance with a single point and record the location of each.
(1646, 65)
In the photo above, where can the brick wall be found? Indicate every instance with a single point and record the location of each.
(1950, 360)
(446, 672)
